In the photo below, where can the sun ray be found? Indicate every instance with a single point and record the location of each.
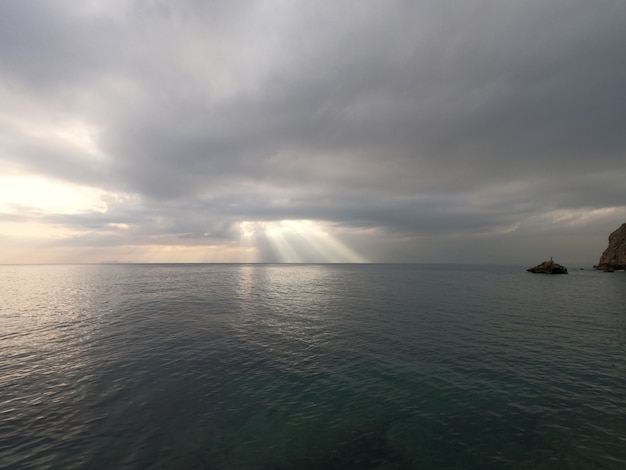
(282, 245)
(296, 241)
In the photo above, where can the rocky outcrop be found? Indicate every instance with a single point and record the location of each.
(548, 267)
(614, 257)
(607, 268)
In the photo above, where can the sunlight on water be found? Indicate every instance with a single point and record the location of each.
(310, 366)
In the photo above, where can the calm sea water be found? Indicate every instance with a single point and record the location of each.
(311, 367)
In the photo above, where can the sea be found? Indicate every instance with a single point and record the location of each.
(311, 366)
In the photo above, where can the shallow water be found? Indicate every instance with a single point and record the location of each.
(311, 366)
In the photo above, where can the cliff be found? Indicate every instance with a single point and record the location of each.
(614, 257)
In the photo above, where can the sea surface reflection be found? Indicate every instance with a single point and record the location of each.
(311, 366)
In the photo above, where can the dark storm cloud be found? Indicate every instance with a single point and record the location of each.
(420, 118)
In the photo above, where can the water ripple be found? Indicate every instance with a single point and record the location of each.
(310, 366)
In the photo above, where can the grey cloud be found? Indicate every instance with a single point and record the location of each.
(414, 118)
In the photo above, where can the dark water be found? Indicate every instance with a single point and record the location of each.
(311, 367)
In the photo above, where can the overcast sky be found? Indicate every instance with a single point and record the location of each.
(421, 131)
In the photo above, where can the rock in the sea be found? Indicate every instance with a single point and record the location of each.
(614, 257)
(607, 268)
(548, 267)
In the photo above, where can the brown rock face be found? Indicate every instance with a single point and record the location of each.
(615, 254)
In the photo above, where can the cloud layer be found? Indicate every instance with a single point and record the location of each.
(407, 131)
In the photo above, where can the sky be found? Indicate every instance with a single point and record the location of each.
(429, 131)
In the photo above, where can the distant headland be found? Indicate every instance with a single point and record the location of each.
(614, 257)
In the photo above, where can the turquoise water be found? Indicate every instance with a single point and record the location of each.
(311, 367)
